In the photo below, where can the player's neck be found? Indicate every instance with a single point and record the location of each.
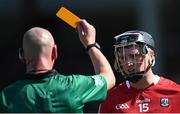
(147, 80)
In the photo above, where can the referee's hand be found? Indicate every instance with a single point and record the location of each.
(87, 33)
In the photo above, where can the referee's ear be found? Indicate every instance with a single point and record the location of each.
(54, 54)
(21, 55)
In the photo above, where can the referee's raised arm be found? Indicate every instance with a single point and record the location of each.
(87, 35)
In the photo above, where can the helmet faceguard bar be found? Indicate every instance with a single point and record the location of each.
(136, 56)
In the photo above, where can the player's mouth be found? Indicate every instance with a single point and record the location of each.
(131, 70)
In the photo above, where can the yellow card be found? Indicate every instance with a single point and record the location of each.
(68, 17)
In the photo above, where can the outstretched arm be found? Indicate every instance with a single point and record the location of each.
(87, 35)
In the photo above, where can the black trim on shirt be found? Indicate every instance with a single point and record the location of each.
(33, 76)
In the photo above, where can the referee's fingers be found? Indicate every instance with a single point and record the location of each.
(80, 30)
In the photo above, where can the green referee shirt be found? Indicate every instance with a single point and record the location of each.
(52, 92)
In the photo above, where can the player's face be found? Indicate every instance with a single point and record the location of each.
(131, 59)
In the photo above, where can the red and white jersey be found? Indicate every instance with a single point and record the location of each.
(162, 97)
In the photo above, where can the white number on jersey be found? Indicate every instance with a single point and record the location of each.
(143, 107)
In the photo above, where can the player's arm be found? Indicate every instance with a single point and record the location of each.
(87, 35)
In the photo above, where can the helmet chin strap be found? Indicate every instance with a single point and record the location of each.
(135, 77)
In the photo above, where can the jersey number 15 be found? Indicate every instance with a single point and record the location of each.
(143, 107)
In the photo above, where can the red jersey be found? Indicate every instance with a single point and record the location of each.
(162, 97)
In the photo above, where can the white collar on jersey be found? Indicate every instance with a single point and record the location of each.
(157, 78)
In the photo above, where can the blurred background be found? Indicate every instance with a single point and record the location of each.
(160, 18)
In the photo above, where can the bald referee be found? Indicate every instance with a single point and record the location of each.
(43, 89)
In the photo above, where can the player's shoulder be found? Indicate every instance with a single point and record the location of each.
(118, 88)
(168, 83)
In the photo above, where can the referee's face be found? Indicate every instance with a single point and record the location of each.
(131, 59)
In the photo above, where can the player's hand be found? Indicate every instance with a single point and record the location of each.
(87, 33)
